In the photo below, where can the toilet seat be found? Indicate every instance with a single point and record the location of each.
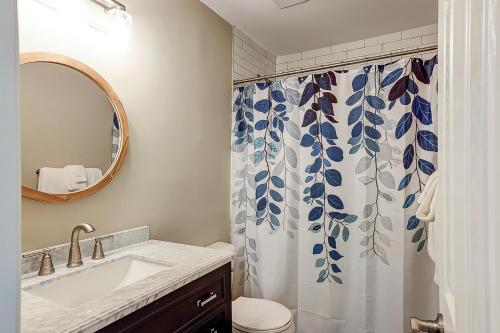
(254, 315)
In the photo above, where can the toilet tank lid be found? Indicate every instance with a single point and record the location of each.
(260, 314)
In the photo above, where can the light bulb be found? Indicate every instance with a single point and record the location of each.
(121, 15)
(121, 27)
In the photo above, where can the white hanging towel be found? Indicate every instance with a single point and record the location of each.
(426, 211)
(52, 180)
(93, 175)
(76, 177)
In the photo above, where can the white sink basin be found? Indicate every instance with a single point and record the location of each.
(74, 289)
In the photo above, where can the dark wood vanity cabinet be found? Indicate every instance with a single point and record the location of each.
(202, 306)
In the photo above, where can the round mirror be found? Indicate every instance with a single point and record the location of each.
(74, 133)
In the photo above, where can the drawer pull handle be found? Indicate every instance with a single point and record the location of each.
(204, 301)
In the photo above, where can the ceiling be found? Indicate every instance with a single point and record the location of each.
(320, 23)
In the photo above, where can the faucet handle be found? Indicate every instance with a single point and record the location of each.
(46, 266)
(98, 251)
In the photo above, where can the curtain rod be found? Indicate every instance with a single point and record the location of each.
(339, 64)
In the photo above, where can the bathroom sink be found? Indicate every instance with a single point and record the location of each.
(84, 285)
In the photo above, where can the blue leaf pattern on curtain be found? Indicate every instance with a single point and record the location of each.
(326, 173)
(115, 141)
(321, 177)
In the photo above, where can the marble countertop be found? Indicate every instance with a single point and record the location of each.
(39, 315)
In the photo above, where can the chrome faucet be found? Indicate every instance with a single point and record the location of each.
(75, 256)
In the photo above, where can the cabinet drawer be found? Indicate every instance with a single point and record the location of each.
(195, 304)
(215, 325)
(183, 309)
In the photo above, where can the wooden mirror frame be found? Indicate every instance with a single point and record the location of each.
(30, 193)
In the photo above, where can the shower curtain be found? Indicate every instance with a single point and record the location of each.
(115, 144)
(326, 173)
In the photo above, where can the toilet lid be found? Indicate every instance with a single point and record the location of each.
(255, 314)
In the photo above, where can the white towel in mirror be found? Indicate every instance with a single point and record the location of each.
(52, 180)
(93, 175)
(76, 177)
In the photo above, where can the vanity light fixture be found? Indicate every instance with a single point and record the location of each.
(120, 25)
(282, 4)
(109, 4)
(115, 9)
(121, 15)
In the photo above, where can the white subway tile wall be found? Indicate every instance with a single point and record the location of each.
(431, 39)
(423, 36)
(325, 59)
(383, 39)
(250, 59)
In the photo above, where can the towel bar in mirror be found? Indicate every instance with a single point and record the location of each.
(74, 128)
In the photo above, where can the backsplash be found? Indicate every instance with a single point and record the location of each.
(60, 252)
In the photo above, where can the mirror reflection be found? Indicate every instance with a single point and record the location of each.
(70, 133)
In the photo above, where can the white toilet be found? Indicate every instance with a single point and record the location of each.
(255, 315)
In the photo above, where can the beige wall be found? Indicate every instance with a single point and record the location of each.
(175, 84)
(65, 119)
